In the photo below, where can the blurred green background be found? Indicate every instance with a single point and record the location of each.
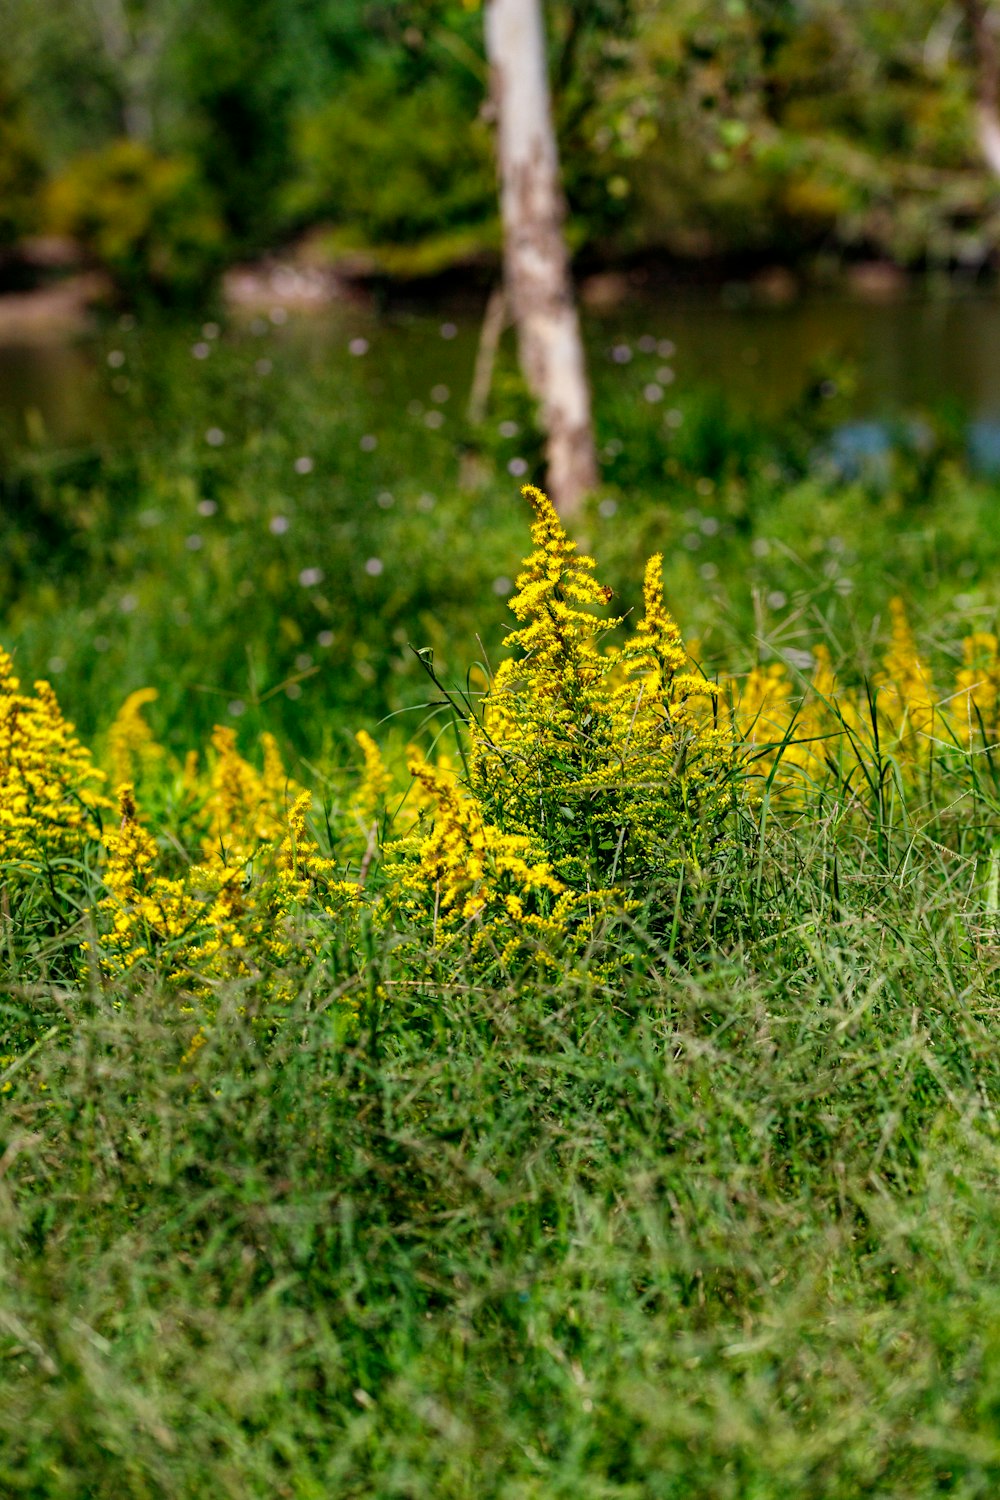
(171, 136)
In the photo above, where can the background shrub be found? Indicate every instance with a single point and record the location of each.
(148, 218)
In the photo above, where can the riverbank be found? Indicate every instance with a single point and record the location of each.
(54, 290)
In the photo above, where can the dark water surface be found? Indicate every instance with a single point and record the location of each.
(911, 353)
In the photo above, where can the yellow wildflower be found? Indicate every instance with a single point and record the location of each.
(50, 789)
(245, 808)
(376, 781)
(977, 699)
(907, 699)
(132, 750)
(591, 766)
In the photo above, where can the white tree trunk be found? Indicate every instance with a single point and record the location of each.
(987, 81)
(536, 260)
(989, 136)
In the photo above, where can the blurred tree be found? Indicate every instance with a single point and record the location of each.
(536, 259)
(240, 76)
(704, 127)
(92, 67)
(400, 164)
(987, 62)
(21, 171)
(763, 127)
(221, 83)
(132, 34)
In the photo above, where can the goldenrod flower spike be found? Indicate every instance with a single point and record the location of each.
(132, 748)
(466, 864)
(553, 580)
(977, 681)
(246, 809)
(50, 789)
(908, 697)
(375, 782)
(657, 641)
(591, 765)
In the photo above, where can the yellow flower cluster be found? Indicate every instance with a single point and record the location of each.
(807, 734)
(908, 699)
(593, 768)
(132, 751)
(254, 887)
(622, 742)
(976, 704)
(227, 913)
(600, 765)
(245, 808)
(51, 796)
(376, 782)
(498, 887)
(217, 920)
(390, 795)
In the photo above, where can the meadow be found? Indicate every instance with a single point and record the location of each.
(484, 1052)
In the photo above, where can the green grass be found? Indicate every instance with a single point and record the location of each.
(726, 1231)
(729, 1230)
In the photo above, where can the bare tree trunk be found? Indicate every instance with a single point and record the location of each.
(490, 334)
(987, 81)
(536, 260)
(131, 47)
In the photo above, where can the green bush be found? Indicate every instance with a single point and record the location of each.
(148, 218)
(20, 170)
(394, 165)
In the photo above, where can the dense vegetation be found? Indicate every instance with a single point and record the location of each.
(174, 135)
(607, 1109)
(287, 522)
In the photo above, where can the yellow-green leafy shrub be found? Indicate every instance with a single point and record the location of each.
(599, 768)
(235, 888)
(218, 919)
(148, 218)
(227, 906)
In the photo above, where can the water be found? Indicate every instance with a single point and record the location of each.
(912, 353)
(50, 388)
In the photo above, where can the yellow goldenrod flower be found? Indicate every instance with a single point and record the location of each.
(51, 794)
(132, 750)
(591, 765)
(376, 781)
(907, 696)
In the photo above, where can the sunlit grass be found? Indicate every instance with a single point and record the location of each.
(727, 1229)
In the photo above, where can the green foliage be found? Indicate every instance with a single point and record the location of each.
(723, 1228)
(235, 81)
(392, 165)
(148, 218)
(719, 127)
(754, 127)
(20, 169)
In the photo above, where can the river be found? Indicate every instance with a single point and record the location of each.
(909, 353)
